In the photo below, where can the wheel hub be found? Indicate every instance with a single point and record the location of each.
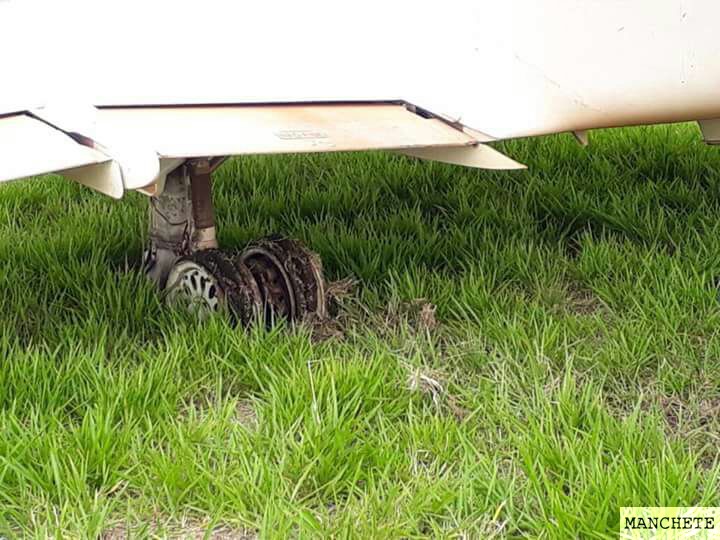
(192, 285)
(289, 276)
(274, 279)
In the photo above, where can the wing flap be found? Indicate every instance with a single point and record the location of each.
(119, 148)
(479, 156)
(176, 132)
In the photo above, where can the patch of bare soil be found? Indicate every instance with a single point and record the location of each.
(184, 530)
(200, 405)
(434, 386)
(697, 424)
(682, 418)
(339, 294)
(582, 301)
(346, 311)
(245, 414)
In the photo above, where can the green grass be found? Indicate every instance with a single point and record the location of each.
(571, 366)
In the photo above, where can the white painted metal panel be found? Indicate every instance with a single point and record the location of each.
(507, 68)
(133, 148)
(478, 156)
(137, 164)
(236, 130)
(106, 177)
(29, 147)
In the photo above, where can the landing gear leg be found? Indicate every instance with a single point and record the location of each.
(171, 227)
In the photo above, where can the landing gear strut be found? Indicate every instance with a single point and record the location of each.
(273, 279)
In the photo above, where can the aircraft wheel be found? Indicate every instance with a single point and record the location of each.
(289, 276)
(208, 281)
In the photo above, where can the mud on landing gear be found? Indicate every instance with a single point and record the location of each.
(273, 279)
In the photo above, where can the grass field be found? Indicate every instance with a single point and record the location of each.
(523, 353)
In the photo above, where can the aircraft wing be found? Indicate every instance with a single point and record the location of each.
(119, 148)
(30, 147)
